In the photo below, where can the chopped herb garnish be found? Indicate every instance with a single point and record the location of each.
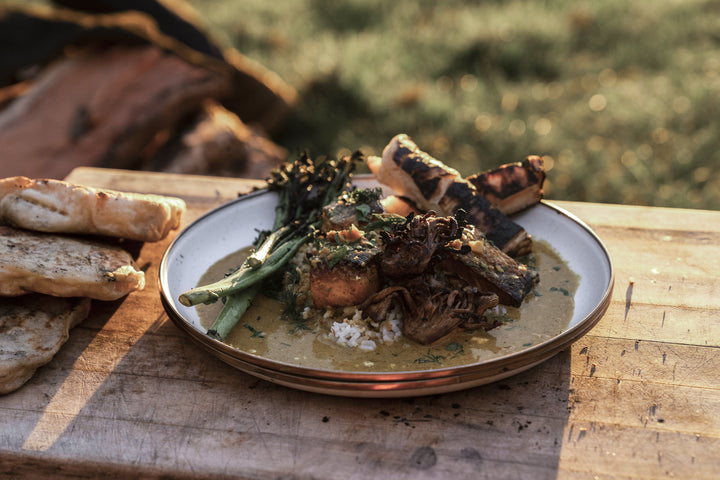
(362, 212)
(291, 309)
(455, 347)
(429, 357)
(255, 333)
(298, 326)
(338, 255)
(561, 290)
(384, 222)
(365, 195)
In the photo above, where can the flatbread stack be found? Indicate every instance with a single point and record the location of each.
(50, 269)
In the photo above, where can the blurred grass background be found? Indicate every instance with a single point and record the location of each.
(622, 98)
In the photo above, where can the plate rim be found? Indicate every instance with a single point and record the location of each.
(387, 383)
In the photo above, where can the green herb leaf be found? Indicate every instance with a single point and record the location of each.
(254, 333)
(561, 290)
(362, 212)
(429, 357)
(340, 253)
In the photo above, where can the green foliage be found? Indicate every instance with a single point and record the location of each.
(621, 97)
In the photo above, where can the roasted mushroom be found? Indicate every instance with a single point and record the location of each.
(444, 276)
(432, 310)
(440, 310)
(409, 247)
(448, 246)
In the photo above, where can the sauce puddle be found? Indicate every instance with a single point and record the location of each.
(263, 331)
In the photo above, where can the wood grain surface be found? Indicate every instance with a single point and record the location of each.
(129, 395)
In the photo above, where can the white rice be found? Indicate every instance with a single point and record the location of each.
(363, 334)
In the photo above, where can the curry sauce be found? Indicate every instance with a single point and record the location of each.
(264, 332)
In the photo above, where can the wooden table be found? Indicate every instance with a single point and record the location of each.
(129, 395)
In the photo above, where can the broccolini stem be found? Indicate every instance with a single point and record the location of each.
(305, 187)
(260, 254)
(235, 307)
(244, 277)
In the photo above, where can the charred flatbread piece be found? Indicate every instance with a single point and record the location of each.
(56, 206)
(32, 330)
(64, 266)
(433, 186)
(413, 173)
(514, 186)
(507, 235)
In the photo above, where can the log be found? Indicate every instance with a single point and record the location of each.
(33, 36)
(174, 18)
(259, 96)
(101, 107)
(219, 143)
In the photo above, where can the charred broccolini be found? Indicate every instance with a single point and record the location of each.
(304, 186)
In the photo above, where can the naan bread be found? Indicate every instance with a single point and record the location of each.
(412, 173)
(32, 330)
(64, 266)
(58, 206)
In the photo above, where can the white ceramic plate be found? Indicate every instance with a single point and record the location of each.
(234, 225)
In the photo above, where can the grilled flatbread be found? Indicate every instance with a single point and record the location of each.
(413, 173)
(433, 186)
(58, 206)
(32, 330)
(64, 266)
(514, 186)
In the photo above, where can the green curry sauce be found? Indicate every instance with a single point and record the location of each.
(264, 332)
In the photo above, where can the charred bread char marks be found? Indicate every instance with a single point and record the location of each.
(507, 235)
(413, 173)
(433, 186)
(512, 187)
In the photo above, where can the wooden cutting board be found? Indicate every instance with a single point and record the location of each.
(131, 396)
